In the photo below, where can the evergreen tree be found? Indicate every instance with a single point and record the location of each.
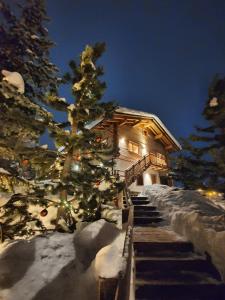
(24, 60)
(87, 158)
(28, 84)
(203, 166)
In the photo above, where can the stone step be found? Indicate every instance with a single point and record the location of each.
(162, 248)
(187, 286)
(170, 265)
(140, 202)
(139, 198)
(144, 207)
(146, 220)
(147, 213)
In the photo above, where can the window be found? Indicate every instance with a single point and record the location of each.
(133, 147)
(140, 180)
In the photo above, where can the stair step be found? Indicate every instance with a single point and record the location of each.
(147, 213)
(175, 278)
(144, 207)
(190, 286)
(139, 198)
(147, 220)
(162, 248)
(140, 202)
(174, 264)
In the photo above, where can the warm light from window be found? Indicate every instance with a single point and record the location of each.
(133, 147)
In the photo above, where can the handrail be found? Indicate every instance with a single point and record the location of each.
(123, 286)
(119, 288)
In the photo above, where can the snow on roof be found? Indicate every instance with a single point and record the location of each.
(128, 111)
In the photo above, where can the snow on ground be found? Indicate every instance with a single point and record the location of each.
(61, 266)
(217, 201)
(192, 216)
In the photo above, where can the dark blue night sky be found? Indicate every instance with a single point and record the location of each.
(161, 54)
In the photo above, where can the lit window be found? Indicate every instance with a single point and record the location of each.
(133, 147)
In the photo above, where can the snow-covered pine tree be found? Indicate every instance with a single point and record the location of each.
(28, 78)
(86, 158)
(203, 166)
(28, 82)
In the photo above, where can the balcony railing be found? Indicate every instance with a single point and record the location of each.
(143, 164)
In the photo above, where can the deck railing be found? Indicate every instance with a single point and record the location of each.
(140, 166)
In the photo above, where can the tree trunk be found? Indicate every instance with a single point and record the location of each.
(65, 173)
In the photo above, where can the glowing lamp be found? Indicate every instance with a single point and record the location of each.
(122, 141)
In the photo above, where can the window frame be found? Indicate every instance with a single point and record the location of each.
(132, 144)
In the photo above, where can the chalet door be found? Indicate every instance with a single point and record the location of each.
(164, 180)
(140, 179)
(154, 178)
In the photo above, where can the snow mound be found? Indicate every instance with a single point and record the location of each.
(59, 266)
(192, 216)
(111, 253)
(93, 237)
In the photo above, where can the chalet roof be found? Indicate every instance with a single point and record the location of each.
(143, 115)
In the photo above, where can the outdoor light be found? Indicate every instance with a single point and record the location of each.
(122, 141)
(75, 167)
(144, 150)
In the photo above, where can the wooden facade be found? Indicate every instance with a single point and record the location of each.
(144, 143)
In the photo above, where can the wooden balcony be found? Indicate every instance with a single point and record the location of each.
(143, 164)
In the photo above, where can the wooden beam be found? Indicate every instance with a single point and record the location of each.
(136, 122)
(158, 136)
(123, 123)
(112, 121)
(169, 147)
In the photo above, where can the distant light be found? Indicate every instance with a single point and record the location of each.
(212, 193)
(101, 165)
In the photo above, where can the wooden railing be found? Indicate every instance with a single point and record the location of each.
(124, 281)
(140, 166)
(119, 288)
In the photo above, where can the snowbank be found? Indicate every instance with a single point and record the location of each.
(109, 261)
(61, 266)
(192, 216)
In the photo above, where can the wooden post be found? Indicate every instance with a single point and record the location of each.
(107, 288)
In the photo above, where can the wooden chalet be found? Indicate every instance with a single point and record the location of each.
(144, 144)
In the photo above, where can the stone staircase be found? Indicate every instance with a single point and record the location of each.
(167, 268)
